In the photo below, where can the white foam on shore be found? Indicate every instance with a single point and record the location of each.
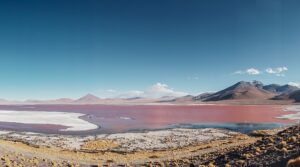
(291, 116)
(295, 116)
(293, 108)
(69, 119)
(4, 132)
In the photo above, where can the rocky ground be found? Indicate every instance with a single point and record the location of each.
(177, 147)
(271, 150)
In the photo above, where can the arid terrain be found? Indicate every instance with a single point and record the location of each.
(178, 147)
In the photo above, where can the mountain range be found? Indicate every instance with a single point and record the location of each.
(242, 90)
(295, 95)
(251, 90)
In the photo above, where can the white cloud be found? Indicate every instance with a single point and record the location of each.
(270, 71)
(253, 71)
(159, 90)
(279, 71)
(250, 71)
(155, 91)
(294, 84)
(131, 94)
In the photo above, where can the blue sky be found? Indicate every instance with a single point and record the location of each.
(67, 48)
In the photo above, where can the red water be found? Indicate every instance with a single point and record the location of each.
(153, 117)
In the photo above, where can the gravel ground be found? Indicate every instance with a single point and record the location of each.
(271, 150)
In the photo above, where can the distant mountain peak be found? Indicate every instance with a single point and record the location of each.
(88, 98)
(241, 90)
(134, 98)
(256, 82)
(246, 83)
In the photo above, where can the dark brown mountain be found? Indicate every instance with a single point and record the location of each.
(280, 88)
(242, 90)
(295, 96)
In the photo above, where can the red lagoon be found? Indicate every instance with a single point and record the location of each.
(117, 118)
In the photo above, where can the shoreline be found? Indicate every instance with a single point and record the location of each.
(153, 147)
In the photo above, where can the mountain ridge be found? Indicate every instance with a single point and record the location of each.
(242, 90)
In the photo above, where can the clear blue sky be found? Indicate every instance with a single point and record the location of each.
(67, 48)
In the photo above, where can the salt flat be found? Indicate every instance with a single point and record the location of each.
(291, 116)
(68, 119)
(294, 116)
(293, 108)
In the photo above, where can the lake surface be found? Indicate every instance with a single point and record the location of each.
(115, 119)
